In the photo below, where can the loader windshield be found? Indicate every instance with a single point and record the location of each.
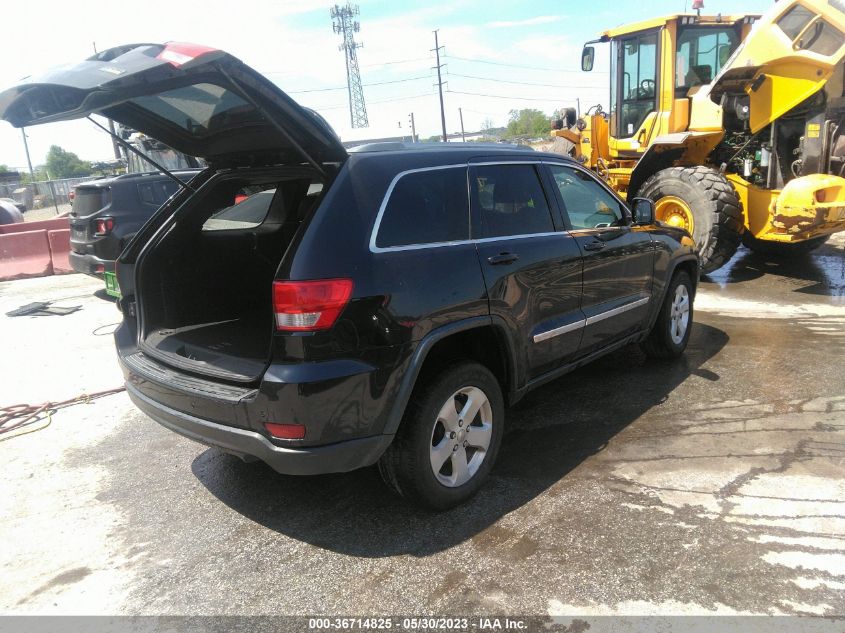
(700, 55)
(633, 82)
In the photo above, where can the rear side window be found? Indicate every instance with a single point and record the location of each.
(426, 207)
(157, 193)
(248, 211)
(510, 201)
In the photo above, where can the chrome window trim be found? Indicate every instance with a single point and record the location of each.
(532, 161)
(413, 247)
(571, 327)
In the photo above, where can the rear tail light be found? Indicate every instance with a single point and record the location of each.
(103, 226)
(308, 306)
(285, 431)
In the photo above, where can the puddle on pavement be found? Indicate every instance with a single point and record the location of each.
(816, 275)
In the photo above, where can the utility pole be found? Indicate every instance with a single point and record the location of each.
(461, 115)
(343, 22)
(436, 49)
(28, 159)
(413, 129)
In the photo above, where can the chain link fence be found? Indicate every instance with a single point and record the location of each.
(42, 194)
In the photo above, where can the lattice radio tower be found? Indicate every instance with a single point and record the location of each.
(343, 21)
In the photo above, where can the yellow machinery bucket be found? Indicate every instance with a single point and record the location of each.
(810, 206)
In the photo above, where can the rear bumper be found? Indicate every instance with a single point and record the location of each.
(89, 264)
(311, 460)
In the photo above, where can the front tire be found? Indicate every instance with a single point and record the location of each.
(701, 200)
(670, 334)
(449, 437)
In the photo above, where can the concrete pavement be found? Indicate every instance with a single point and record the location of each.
(710, 485)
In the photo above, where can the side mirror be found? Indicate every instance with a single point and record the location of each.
(642, 210)
(587, 56)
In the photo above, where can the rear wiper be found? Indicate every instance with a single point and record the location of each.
(143, 156)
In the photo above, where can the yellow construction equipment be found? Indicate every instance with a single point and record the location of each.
(734, 125)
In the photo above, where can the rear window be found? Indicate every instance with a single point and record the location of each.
(426, 207)
(89, 200)
(510, 200)
(199, 109)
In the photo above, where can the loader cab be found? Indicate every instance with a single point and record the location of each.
(656, 66)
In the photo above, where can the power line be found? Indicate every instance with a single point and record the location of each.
(512, 98)
(398, 61)
(483, 112)
(508, 81)
(375, 83)
(343, 105)
(545, 68)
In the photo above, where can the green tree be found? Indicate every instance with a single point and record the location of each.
(64, 164)
(527, 122)
(40, 173)
(4, 169)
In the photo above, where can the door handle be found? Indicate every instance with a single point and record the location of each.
(595, 245)
(503, 258)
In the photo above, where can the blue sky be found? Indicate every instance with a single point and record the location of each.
(292, 42)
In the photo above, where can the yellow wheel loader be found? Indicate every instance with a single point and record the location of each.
(734, 125)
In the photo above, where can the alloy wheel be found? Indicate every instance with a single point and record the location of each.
(461, 436)
(679, 316)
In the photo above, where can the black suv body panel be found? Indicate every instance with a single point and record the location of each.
(249, 445)
(350, 385)
(485, 247)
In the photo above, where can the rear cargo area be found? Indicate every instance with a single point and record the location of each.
(205, 287)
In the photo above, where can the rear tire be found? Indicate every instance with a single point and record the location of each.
(670, 334)
(783, 249)
(440, 456)
(715, 206)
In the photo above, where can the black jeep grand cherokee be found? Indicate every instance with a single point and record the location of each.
(377, 306)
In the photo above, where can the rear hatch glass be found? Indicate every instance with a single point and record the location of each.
(88, 200)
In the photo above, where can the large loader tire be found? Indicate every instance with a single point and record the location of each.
(701, 200)
(783, 249)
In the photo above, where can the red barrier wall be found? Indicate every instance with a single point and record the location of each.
(25, 227)
(25, 255)
(59, 250)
